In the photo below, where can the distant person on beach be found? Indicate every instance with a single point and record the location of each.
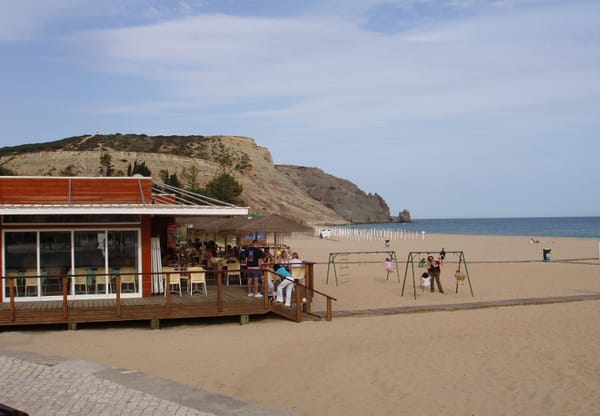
(442, 255)
(389, 266)
(254, 260)
(433, 268)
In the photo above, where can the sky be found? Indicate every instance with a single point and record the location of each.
(448, 109)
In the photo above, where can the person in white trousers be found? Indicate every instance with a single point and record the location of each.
(286, 284)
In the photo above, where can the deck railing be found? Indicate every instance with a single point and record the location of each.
(301, 291)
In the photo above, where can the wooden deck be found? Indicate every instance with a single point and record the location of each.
(234, 302)
(221, 300)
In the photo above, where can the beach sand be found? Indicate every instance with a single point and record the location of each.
(533, 359)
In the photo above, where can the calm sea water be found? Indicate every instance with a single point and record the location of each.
(532, 227)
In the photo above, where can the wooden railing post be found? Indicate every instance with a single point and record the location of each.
(219, 291)
(298, 295)
(11, 292)
(329, 312)
(65, 288)
(265, 286)
(118, 294)
(168, 292)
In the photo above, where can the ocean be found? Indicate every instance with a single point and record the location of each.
(586, 227)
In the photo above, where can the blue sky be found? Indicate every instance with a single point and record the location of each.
(450, 109)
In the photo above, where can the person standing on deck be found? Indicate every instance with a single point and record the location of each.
(254, 256)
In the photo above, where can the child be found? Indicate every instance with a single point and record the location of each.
(389, 266)
(425, 281)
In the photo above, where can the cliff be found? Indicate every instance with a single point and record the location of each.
(306, 194)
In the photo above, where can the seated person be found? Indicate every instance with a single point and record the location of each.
(282, 260)
(286, 284)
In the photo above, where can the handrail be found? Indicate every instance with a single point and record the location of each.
(298, 299)
(65, 293)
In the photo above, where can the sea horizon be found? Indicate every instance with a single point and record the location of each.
(582, 227)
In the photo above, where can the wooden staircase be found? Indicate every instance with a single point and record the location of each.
(301, 304)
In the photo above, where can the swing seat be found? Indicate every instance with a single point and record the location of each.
(460, 279)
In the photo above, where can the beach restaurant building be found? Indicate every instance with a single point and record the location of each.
(88, 229)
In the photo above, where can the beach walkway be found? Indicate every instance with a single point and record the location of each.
(464, 306)
(43, 386)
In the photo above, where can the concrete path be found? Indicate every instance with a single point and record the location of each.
(42, 386)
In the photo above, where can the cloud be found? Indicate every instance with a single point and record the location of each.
(476, 85)
(26, 19)
(326, 70)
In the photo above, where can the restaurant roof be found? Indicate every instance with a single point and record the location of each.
(46, 195)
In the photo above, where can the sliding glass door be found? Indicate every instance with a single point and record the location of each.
(90, 260)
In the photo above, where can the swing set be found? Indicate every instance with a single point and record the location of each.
(344, 254)
(460, 276)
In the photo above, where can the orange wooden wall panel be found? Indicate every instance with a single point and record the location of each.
(89, 190)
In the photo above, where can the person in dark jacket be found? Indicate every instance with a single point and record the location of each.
(433, 268)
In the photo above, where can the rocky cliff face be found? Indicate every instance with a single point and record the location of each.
(341, 195)
(306, 194)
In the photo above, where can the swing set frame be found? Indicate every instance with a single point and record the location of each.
(391, 254)
(423, 254)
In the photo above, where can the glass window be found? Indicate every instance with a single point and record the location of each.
(89, 259)
(92, 259)
(123, 258)
(20, 260)
(55, 261)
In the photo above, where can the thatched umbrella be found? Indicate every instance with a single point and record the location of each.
(227, 224)
(275, 224)
(215, 225)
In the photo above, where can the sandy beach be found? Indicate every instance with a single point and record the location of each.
(533, 359)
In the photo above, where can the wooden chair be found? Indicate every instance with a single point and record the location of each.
(297, 270)
(105, 282)
(234, 270)
(128, 278)
(174, 279)
(197, 278)
(31, 281)
(51, 280)
(83, 277)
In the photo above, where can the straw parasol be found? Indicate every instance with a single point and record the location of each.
(275, 224)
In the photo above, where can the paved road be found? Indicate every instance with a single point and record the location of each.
(43, 386)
